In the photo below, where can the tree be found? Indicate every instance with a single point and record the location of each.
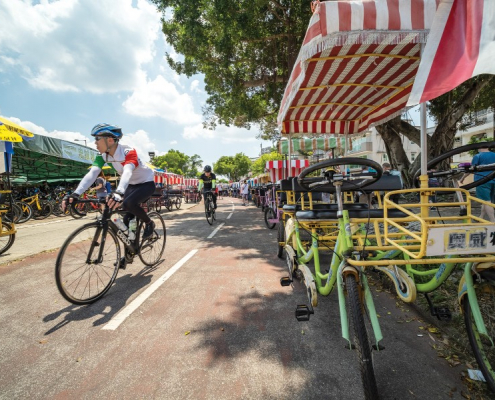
(174, 161)
(233, 167)
(449, 112)
(245, 48)
(258, 166)
(192, 167)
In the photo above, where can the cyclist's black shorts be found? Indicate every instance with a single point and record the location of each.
(133, 197)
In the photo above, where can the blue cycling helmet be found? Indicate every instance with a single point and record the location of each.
(207, 168)
(108, 130)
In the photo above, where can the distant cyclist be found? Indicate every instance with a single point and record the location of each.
(208, 180)
(136, 182)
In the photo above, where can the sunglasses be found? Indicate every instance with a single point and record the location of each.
(97, 138)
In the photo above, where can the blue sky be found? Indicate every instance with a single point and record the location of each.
(67, 65)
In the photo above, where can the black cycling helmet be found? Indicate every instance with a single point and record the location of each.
(107, 130)
(207, 168)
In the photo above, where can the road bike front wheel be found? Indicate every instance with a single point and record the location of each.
(482, 347)
(269, 214)
(178, 202)
(361, 340)
(45, 211)
(152, 249)
(82, 276)
(6, 241)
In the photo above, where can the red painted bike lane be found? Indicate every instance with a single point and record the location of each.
(219, 327)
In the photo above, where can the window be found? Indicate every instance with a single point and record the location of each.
(385, 158)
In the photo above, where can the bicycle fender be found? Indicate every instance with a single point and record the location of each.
(462, 288)
(309, 281)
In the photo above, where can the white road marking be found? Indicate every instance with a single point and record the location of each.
(230, 215)
(121, 316)
(216, 230)
(47, 223)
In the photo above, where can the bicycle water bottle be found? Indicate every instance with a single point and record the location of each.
(132, 229)
(120, 224)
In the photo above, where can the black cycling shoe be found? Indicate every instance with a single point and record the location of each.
(148, 230)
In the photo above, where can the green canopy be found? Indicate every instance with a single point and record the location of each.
(310, 144)
(51, 159)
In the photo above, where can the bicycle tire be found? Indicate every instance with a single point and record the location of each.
(78, 210)
(482, 348)
(280, 239)
(269, 214)
(361, 340)
(209, 214)
(46, 209)
(151, 250)
(158, 206)
(27, 211)
(169, 205)
(7, 241)
(75, 250)
(178, 202)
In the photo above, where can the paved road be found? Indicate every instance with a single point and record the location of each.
(219, 327)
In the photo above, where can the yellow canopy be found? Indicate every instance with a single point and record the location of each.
(11, 132)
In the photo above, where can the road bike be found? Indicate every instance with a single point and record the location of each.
(41, 208)
(209, 206)
(90, 258)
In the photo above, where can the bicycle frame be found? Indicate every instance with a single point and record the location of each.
(324, 283)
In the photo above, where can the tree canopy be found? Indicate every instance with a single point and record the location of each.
(258, 166)
(246, 50)
(178, 163)
(233, 167)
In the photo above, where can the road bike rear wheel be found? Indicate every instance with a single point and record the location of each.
(152, 249)
(178, 202)
(361, 340)
(8, 240)
(208, 210)
(269, 214)
(81, 277)
(482, 347)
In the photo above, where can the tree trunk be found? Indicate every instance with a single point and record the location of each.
(395, 148)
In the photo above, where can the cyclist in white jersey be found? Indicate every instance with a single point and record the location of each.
(136, 183)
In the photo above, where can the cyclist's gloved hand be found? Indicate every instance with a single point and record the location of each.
(115, 200)
(69, 199)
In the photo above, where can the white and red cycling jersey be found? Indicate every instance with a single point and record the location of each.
(127, 164)
(126, 155)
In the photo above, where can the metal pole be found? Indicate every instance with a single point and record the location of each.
(424, 140)
(290, 156)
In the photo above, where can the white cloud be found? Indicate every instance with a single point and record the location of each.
(141, 141)
(160, 98)
(173, 142)
(194, 86)
(222, 134)
(79, 45)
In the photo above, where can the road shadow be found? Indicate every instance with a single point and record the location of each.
(110, 304)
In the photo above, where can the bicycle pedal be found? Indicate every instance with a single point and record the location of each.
(303, 312)
(378, 347)
(442, 313)
(285, 281)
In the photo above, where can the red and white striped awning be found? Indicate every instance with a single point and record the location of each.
(356, 66)
(277, 168)
(191, 182)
